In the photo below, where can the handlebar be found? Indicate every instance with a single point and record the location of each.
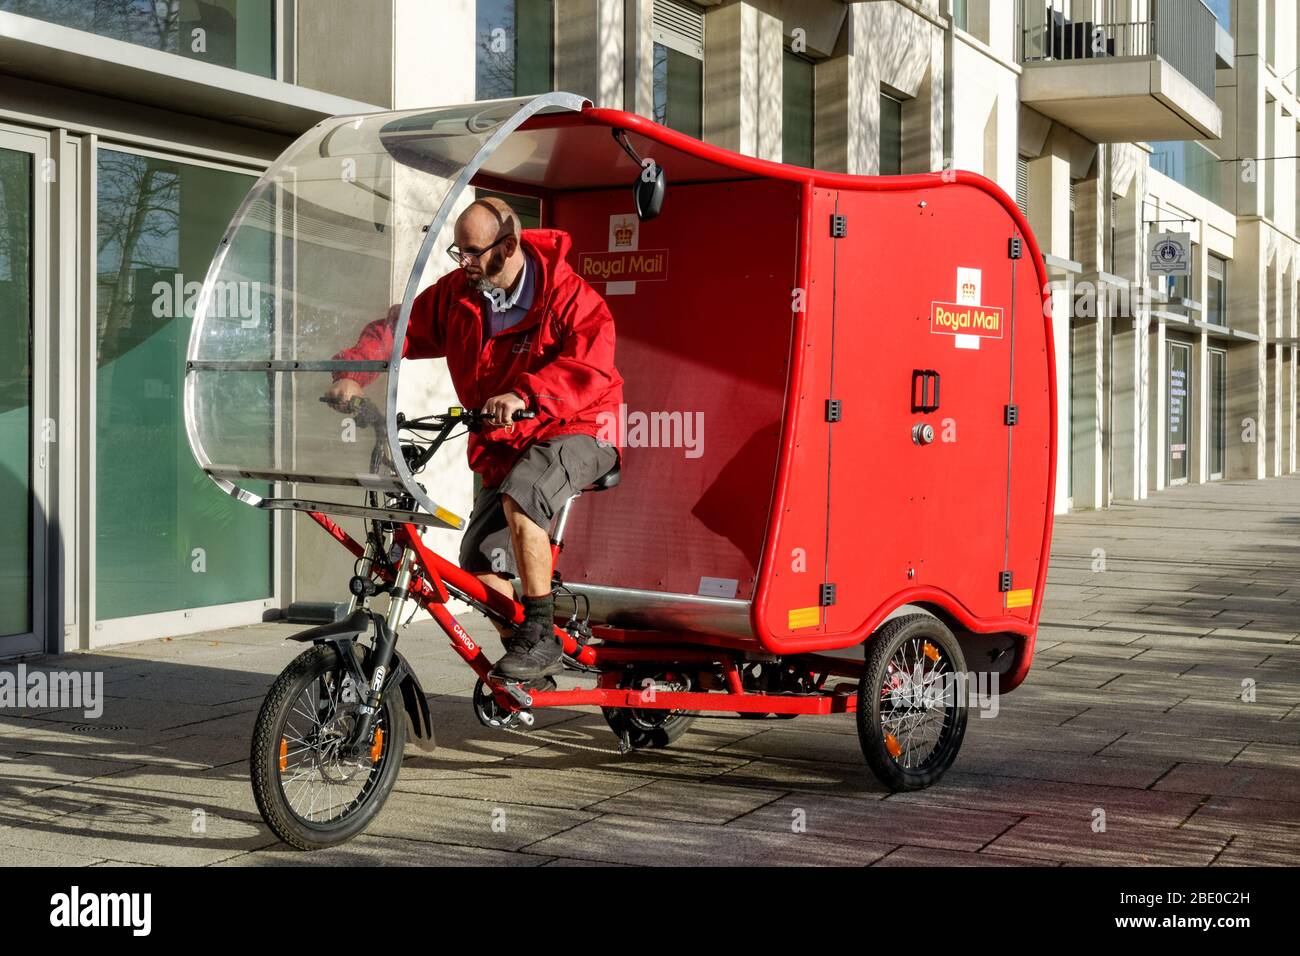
(368, 415)
(472, 418)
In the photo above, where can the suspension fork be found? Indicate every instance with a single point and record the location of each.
(382, 658)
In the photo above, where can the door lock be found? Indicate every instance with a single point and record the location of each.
(922, 434)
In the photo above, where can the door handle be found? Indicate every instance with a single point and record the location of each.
(926, 398)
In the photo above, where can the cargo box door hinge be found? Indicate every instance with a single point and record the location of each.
(1004, 581)
(1015, 248)
(834, 411)
(827, 596)
(839, 226)
(1010, 414)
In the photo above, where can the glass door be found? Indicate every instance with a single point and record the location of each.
(22, 462)
(1180, 363)
(1218, 411)
(166, 538)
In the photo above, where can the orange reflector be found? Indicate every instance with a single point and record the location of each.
(377, 747)
(284, 754)
(930, 651)
(891, 744)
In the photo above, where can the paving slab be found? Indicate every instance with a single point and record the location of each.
(1133, 709)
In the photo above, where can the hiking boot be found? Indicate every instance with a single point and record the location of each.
(532, 651)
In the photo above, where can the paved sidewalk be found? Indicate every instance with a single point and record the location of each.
(1157, 615)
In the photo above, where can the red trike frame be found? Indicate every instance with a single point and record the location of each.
(619, 647)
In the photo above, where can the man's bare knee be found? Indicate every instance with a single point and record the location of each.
(519, 520)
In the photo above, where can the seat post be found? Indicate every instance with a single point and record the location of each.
(561, 519)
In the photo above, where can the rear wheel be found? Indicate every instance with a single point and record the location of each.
(912, 702)
(645, 726)
(309, 792)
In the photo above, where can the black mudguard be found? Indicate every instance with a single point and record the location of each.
(419, 722)
(414, 701)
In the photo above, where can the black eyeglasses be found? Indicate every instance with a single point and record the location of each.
(459, 255)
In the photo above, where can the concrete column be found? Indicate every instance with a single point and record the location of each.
(835, 120)
(1242, 438)
(887, 44)
(346, 48)
(638, 64)
(1086, 344)
(1089, 219)
(1129, 408)
(1049, 202)
(589, 50)
(1062, 285)
(1250, 133)
(742, 74)
(434, 53)
(1292, 372)
(1248, 284)
(1157, 432)
(1198, 405)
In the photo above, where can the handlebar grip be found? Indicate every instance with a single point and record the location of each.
(523, 413)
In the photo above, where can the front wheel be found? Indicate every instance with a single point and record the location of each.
(309, 792)
(912, 702)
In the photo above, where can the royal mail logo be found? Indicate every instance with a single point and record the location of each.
(969, 290)
(950, 318)
(631, 266)
(624, 233)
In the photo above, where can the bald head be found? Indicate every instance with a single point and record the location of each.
(490, 228)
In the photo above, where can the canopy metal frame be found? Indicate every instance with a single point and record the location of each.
(225, 476)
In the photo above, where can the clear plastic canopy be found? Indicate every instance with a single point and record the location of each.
(333, 237)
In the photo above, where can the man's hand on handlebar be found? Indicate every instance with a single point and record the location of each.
(500, 410)
(340, 395)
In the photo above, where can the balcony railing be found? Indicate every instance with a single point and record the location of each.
(1179, 31)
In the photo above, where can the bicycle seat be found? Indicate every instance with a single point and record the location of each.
(608, 480)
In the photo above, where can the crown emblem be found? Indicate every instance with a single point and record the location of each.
(623, 234)
(968, 289)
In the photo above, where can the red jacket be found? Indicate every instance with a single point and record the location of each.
(560, 358)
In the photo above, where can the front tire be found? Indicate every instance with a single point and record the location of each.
(307, 792)
(912, 704)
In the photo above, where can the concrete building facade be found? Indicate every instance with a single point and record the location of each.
(127, 139)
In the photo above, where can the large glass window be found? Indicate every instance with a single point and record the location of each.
(1216, 289)
(797, 107)
(166, 537)
(15, 391)
(891, 135)
(516, 48)
(678, 91)
(1190, 163)
(960, 14)
(234, 33)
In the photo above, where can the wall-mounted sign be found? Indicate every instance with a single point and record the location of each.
(1169, 253)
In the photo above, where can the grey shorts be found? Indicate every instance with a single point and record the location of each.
(549, 474)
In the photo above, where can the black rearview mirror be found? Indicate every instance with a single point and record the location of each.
(649, 192)
(651, 184)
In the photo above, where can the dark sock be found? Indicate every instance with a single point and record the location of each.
(540, 609)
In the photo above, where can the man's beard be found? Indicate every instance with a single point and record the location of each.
(491, 268)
